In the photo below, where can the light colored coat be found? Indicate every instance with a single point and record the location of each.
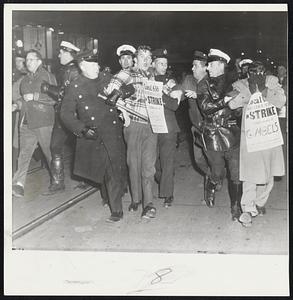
(258, 167)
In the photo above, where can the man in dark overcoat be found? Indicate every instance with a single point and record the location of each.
(100, 150)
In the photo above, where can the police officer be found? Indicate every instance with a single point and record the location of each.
(244, 65)
(126, 56)
(100, 150)
(166, 141)
(220, 132)
(69, 72)
(194, 85)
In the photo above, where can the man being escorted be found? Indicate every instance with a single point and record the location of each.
(100, 149)
(220, 133)
(141, 141)
(166, 141)
(36, 117)
(69, 73)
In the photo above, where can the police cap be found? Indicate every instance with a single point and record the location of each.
(198, 55)
(125, 50)
(158, 53)
(89, 56)
(69, 47)
(218, 55)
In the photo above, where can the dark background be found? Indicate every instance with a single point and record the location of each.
(179, 32)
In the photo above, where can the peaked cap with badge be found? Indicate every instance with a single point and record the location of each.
(198, 55)
(218, 55)
(69, 47)
(89, 56)
(244, 62)
(158, 53)
(125, 50)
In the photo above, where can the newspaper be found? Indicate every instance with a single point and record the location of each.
(154, 104)
(262, 128)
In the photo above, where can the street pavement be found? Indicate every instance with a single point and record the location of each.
(186, 227)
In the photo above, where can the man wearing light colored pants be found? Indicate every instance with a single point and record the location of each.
(36, 117)
(29, 138)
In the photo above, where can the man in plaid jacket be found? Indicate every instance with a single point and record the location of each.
(141, 141)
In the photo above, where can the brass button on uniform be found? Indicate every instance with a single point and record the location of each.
(86, 107)
(111, 109)
(79, 96)
(92, 118)
(114, 122)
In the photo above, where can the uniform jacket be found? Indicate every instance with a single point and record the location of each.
(200, 87)
(258, 167)
(80, 108)
(219, 128)
(38, 113)
(170, 106)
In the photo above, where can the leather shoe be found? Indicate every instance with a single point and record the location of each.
(54, 189)
(168, 201)
(17, 190)
(134, 206)
(115, 217)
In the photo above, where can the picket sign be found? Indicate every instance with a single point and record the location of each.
(154, 104)
(262, 128)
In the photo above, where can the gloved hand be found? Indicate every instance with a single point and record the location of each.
(50, 90)
(127, 90)
(90, 132)
(45, 87)
(256, 82)
(113, 97)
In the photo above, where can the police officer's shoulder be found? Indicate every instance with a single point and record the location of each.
(76, 82)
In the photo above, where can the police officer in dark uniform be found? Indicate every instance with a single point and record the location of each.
(220, 132)
(69, 73)
(166, 141)
(100, 150)
(194, 85)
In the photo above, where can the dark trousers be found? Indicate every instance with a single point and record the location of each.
(114, 189)
(218, 160)
(199, 155)
(58, 139)
(165, 163)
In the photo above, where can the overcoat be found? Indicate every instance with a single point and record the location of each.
(258, 167)
(82, 107)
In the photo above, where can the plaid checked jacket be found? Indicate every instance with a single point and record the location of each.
(137, 101)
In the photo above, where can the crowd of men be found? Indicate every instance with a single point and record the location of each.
(115, 144)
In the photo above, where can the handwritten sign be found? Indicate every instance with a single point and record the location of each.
(262, 128)
(154, 105)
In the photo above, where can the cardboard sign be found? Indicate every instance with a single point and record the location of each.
(154, 105)
(262, 128)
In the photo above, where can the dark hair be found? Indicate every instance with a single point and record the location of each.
(37, 53)
(143, 48)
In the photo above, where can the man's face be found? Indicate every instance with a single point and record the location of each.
(215, 68)
(65, 57)
(281, 71)
(160, 64)
(199, 69)
(126, 61)
(90, 69)
(244, 70)
(143, 60)
(32, 62)
(19, 63)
